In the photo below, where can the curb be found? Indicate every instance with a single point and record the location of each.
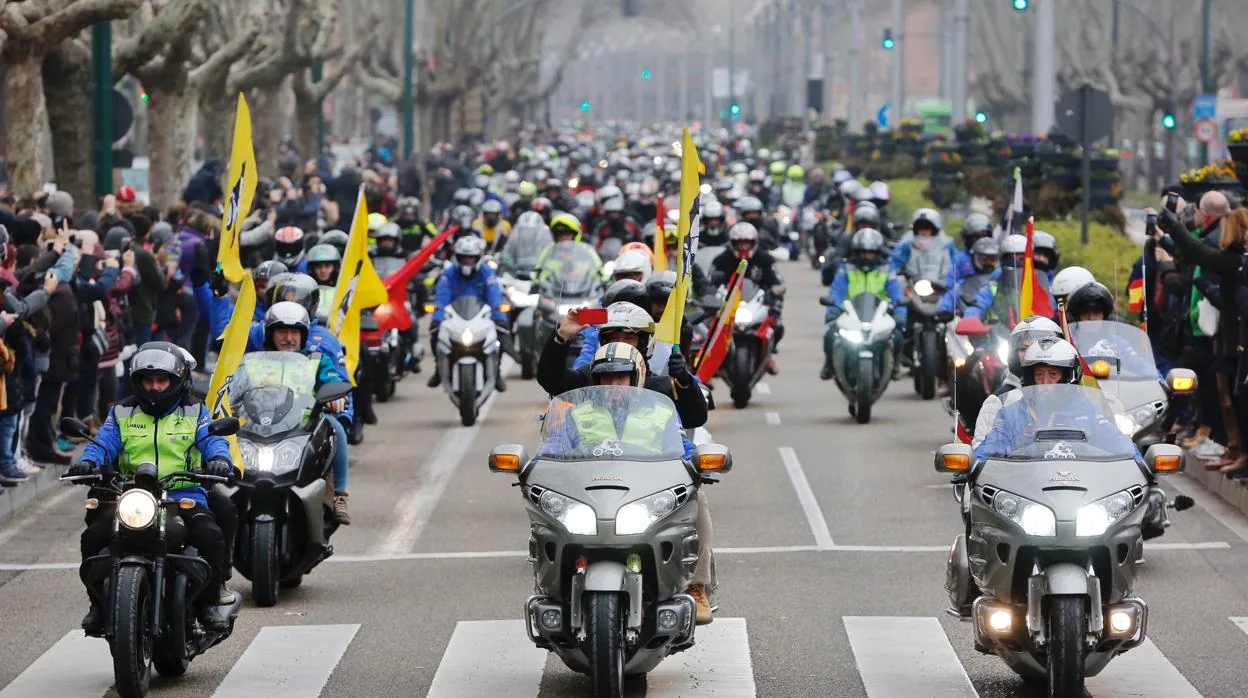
(1230, 491)
(39, 485)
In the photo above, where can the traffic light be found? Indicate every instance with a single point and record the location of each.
(1167, 120)
(645, 75)
(735, 109)
(585, 106)
(888, 43)
(143, 95)
(1021, 5)
(981, 117)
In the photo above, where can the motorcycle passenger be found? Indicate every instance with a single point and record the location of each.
(1024, 334)
(627, 291)
(287, 327)
(1091, 302)
(985, 256)
(976, 227)
(713, 230)
(743, 238)
(155, 425)
(863, 272)
(491, 225)
(414, 227)
(467, 276)
(288, 246)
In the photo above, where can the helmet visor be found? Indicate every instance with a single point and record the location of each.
(156, 360)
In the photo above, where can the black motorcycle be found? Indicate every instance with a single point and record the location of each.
(148, 580)
(925, 336)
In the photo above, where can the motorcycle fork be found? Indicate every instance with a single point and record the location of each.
(158, 595)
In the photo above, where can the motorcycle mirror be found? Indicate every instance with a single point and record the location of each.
(329, 392)
(712, 458)
(824, 300)
(971, 327)
(954, 458)
(1164, 458)
(226, 426)
(1181, 380)
(74, 427)
(508, 458)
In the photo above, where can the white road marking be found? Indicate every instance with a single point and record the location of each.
(1242, 622)
(773, 418)
(488, 658)
(1215, 506)
(293, 661)
(1143, 671)
(414, 510)
(37, 515)
(763, 388)
(805, 495)
(75, 666)
(899, 657)
(718, 664)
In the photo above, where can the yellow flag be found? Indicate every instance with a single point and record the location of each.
(660, 250)
(691, 169)
(359, 287)
(233, 346)
(242, 183)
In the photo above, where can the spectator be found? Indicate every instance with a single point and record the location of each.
(205, 185)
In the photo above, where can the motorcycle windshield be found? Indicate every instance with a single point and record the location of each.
(273, 392)
(467, 307)
(525, 245)
(1125, 348)
(864, 305)
(387, 265)
(1057, 422)
(1007, 299)
(571, 269)
(615, 422)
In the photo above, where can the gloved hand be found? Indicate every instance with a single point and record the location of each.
(219, 467)
(337, 406)
(81, 468)
(199, 277)
(678, 369)
(218, 283)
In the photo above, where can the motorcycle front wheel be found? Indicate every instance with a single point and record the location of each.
(132, 632)
(605, 640)
(1068, 621)
(865, 389)
(265, 569)
(468, 394)
(742, 369)
(929, 356)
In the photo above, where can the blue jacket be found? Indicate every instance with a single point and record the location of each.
(983, 300)
(839, 291)
(901, 255)
(963, 265)
(109, 448)
(321, 340)
(483, 285)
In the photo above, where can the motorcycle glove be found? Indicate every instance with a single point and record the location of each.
(218, 283)
(678, 369)
(81, 468)
(219, 467)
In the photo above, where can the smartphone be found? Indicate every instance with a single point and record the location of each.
(591, 316)
(1150, 224)
(1172, 202)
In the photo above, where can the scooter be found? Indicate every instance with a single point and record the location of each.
(862, 351)
(468, 356)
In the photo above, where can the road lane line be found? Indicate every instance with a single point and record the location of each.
(773, 418)
(76, 665)
(805, 495)
(763, 388)
(1215, 506)
(899, 657)
(488, 658)
(1144, 671)
(1242, 622)
(37, 515)
(414, 510)
(718, 665)
(293, 661)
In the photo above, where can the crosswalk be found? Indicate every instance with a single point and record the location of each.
(895, 657)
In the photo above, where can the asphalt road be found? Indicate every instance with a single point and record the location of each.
(831, 541)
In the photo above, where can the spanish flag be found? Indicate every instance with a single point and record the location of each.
(1034, 297)
(1135, 296)
(720, 336)
(359, 287)
(242, 183)
(233, 346)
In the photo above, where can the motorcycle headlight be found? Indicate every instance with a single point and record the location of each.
(1003, 351)
(136, 509)
(923, 287)
(466, 337)
(636, 517)
(577, 517)
(744, 316)
(1143, 416)
(851, 336)
(1035, 519)
(278, 460)
(1095, 518)
(1125, 424)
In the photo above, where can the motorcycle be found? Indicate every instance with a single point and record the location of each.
(147, 582)
(402, 347)
(468, 356)
(568, 279)
(521, 302)
(752, 336)
(821, 231)
(1048, 563)
(789, 244)
(610, 567)
(517, 259)
(979, 355)
(862, 351)
(925, 335)
(287, 447)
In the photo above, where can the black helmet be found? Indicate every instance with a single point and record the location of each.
(409, 208)
(267, 270)
(325, 254)
(159, 359)
(976, 226)
(117, 238)
(337, 238)
(289, 243)
(629, 291)
(866, 240)
(295, 287)
(289, 315)
(659, 286)
(1091, 298)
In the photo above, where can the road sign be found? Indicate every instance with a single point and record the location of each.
(881, 116)
(1085, 108)
(1205, 106)
(1206, 130)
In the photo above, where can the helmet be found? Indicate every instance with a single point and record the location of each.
(164, 360)
(724, 184)
(776, 168)
(1069, 280)
(409, 208)
(463, 217)
(126, 194)
(469, 247)
(567, 224)
(337, 238)
(1013, 247)
(739, 168)
(616, 358)
(630, 263)
(324, 254)
(660, 286)
(627, 291)
(286, 315)
(926, 215)
(116, 238)
(1044, 242)
(849, 186)
(461, 196)
(880, 193)
(712, 209)
(297, 288)
(375, 221)
(749, 204)
(613, 205)
(631, 319)
(743, 232)
(984, 247)
(867, 216)
(796, 172)
(757, 176)
(763, 154)
(1052, 351)
(389, 231)
(641, 247)
(841, 176)
(867, 241)
(1024, 334)
(492, 206)
(481, 182)
(609, 192)
(556, 184)
(267, 270)
(476, 197)
(529, 220)
(528, 190)
(485, 169)
(1092, 297)
(288, 243)
(976, 226)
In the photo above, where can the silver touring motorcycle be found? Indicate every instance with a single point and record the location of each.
(612, 509)
(1056, 507)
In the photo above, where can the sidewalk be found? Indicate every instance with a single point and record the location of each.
(38, 486)
(1233, 492)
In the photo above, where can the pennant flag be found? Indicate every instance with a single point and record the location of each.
(719, 338)
(1135, 296)
(242, 183)
(233, 346)
(660, 237)
(392, 314)
(359, 287)
(1014, 215)
(1034, 297)
(691, 169)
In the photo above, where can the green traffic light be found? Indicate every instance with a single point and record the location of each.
(1167, 120)
(888, 43)
(585, 106)
(645, 75)
(981, 117)
(735, 109)
(1021, 5)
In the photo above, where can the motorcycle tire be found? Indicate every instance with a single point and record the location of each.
(265, 568)
(1068, 620)
(864, 390)
(742, 370)
(929, 357)
(467, 395)
(385, 389)
(605, 640)
(132, 632)
(292, 582)
(170, 655)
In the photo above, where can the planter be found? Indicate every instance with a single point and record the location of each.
(943, 166)
(1238, 151)
(1192, 191)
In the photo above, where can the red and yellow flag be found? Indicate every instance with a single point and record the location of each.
(719, 337)
(1034, 299)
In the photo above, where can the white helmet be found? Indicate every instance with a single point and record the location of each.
(616, 358)
(1026, 333)
(609, 192)
(1055, 352)
(630, 318)
(712, 209)
(632, 262)
(928, 215)
(469, 247)
(1069, 280)
(1014, 244)
(742, 232)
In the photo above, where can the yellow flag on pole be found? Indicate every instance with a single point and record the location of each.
(359, 287)
(691, 169)
(233, 346)
(242, 184)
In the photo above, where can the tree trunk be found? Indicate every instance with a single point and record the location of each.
(266, 130)
(67, 84)
(170, 143)
(216, 115)
(307, 109)
(24, 117)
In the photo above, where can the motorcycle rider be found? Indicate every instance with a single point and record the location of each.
(491, 225)
(288, 246)
(750, 209)
(526, 194)
(985, 256)
(563, 228)
(1024, 334)
(414, 227)
(467, 276)
(1013, 250)
(743, 241)
(927, 255)
(1069, 280)
(977, 226)
(863, 272)
(460, 222)
(615, 223)
(757, 188)
(1093, 301)
(159, 419)
(632, 265)
(713, 230)
(794, 186)
(389, 241)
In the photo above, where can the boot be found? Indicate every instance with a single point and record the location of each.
(370, 415)
(772, 368)
(435, 380)
(698, 592)
(340, 509)
(215, 613)
(825, 373)
(500, 383)
(93, 622)
(1201, 434)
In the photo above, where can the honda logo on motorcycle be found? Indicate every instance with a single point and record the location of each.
(1064, 476)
